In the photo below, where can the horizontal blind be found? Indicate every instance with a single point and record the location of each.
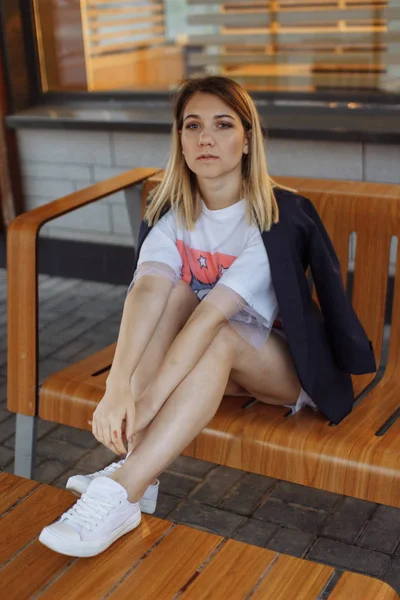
(112, 26)
(303, 45)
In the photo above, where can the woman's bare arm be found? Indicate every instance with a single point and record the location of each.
(142, 311)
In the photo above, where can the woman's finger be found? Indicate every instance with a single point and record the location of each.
(116, 438)
(130, 422)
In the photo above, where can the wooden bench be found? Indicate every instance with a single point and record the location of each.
(360, 457)
(159, 559)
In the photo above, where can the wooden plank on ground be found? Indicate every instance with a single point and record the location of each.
(293, 579)
(13, 489)
(359, 587)
(94, 577)
(232, 574)
(26, 521)
(178, 557)
(43, 564)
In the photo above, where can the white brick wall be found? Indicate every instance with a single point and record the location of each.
(55, 163)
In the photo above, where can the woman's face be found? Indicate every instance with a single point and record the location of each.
(213, 139)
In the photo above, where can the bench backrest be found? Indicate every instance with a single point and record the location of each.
(370, 213)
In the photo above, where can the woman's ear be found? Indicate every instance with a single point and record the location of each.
(246, 142)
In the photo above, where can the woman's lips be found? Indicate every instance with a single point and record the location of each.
(208, 157)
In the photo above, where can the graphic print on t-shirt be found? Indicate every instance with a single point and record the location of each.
(202, 269)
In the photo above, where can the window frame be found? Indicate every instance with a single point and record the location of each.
(35, 96)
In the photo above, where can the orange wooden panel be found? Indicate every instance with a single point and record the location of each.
(21, 525)
(12, 489)
(293, 579)
(70, 396)
(22, 236)
(176, 559)
(359, 587)
(94, 577)
(232, 574)
(30, 570)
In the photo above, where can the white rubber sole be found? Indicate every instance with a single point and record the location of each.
(86, 549)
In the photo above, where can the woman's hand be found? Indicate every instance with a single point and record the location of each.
(114, 418)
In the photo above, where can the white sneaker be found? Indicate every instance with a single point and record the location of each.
(78, 484)
(96, 520)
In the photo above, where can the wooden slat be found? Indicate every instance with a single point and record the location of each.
(313, 59)
(125, 33)
(293, 579)
(153, 18)
(97, 51)
(359, 587)
(30, 570)
(178, 557)
(26, 521)
(232, 574)
(13, 489)
(132, 10)
(93, 578)
(346, 38)
(294, 18)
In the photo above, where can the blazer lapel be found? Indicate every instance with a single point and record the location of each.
(284, 279)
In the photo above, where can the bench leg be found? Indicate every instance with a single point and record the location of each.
(25, 446)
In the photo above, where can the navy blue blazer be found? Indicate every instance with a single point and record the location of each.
(326, 344)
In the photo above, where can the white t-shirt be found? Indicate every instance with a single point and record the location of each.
(222, 250)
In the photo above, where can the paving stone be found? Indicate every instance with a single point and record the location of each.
(49, 470)
(295, 517)
(383, 530)
(44, 427)
(6, 456)
(207, 518)
(56, 449)
(348, 519)
(291, 541)
(69, 351)
(61, 481)
(176, 484)
(7, 428)
(245, 496)
(50, 366)
(256, 533)
(165, 505)
(191, 466)
(392, 575)
(4, 413)
(217, 484)
(305, 496)
(3, 389)
(78, 437)
(351, 558)
(97, 459)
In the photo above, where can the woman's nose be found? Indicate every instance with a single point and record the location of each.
(205, 138)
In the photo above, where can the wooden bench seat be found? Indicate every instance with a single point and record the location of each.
(158, 560)
(360, 457)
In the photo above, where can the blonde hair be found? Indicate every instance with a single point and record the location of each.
(178, 189)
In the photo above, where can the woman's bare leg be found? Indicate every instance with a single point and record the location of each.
(268, 373)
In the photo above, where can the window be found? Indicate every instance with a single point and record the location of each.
(267, 45)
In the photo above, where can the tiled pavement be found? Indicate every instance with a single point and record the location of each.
(76, 319)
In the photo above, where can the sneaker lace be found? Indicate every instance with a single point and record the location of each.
(88, 512)
(110, 469)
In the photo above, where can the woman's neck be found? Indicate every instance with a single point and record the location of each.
(217, 194)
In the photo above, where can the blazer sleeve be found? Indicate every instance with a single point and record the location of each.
(350, 345)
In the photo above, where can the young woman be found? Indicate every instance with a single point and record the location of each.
(219, 304)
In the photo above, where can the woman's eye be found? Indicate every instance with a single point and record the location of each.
(192, 126)
(224, 125)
